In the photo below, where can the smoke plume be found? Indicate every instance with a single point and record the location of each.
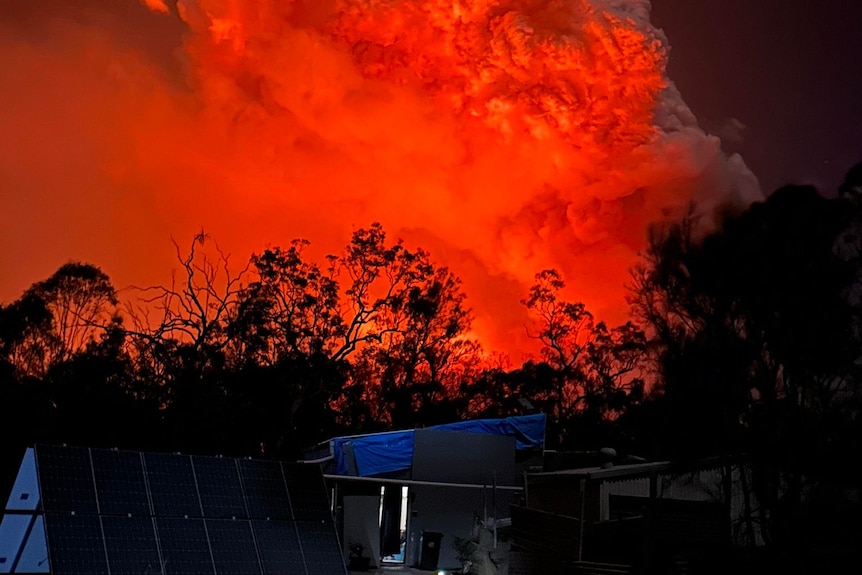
(506, 136)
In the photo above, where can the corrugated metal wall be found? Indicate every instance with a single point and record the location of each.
(633, 487)
(702, 485)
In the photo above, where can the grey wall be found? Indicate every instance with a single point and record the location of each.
(361, 524)
(457, 457)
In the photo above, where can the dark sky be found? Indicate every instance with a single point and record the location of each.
(789, 70)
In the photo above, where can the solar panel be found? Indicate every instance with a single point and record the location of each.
(75, 543)
(66, 479)
(184, 546)
(323, 555)
(233, 547)
(34, 557)
(124, 513)
(131, 545)
(265, 490)
(219, 487)
(279, 549)
(308, 497)
(120, 485)
(172, 485)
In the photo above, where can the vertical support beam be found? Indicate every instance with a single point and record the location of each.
(496, 514)
(582, 519)
(650, 516)
(727, 487)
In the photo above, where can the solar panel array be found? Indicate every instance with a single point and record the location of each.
(117, 512)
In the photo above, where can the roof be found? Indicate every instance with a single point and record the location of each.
(613, 472)
(628, 471)
(392, 451)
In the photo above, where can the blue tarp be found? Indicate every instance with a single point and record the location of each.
(393, 451)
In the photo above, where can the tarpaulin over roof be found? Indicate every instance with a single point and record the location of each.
(393, 451)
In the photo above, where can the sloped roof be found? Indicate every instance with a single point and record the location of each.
(388, 452)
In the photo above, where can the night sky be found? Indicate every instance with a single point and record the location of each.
(789, 71)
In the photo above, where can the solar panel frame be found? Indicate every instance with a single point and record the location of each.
(120, 485)
(75, 544)
(278, 547)
(265, 489)
(172, 485)
(13, 535)
(66, 479)
(219, 486)
(34, 556)
(233, 547)
(25, 494)
(321, 548)
(184, 546)
(307, 491)
(131, 545)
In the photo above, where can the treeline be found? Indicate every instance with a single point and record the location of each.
(746, 340)
(287, 352)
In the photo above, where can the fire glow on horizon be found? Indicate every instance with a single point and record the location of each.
(505, 136)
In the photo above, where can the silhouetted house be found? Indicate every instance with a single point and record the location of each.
(649, 517)
(407, 496)
(81, 511)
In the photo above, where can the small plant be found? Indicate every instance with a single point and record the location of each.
(358, 561)
(356, 550)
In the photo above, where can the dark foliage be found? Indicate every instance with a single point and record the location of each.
(755, 334)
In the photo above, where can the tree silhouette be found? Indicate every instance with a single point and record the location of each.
(65, 376)
(291, 309)
(590, 373)
(58, 318)
(177, 341)
(756, 338)
(406, 322)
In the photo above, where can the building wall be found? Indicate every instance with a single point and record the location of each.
(457, 457)
(632, 487)
(361, 516)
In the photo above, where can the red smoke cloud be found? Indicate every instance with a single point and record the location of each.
(506, 136)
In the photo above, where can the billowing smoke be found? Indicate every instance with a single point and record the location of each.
(506, 136)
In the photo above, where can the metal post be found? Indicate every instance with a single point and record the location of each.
(494, 505)
(583, 486)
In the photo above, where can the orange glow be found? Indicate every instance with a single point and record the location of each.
(505, 136)
(157, 6)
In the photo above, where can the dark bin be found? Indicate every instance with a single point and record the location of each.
(430, 550)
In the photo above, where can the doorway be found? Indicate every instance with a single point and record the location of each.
(393, 523)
